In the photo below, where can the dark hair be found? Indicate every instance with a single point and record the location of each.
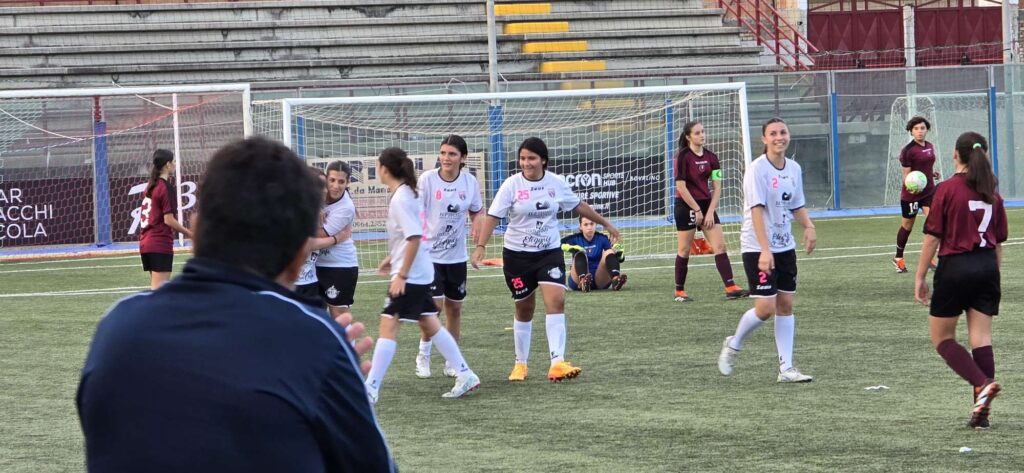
(258, 203)
(973, 151)
(160, 159)
(535, 145)
(684, 137)
(400, 166)
(340, 166)
(764, 128)
(459, 144)
(917, 120)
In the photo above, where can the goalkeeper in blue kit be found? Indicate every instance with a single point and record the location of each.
(595, 261)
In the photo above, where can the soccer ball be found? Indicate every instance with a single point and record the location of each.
(915, 182)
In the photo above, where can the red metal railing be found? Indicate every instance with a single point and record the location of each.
(791, 49)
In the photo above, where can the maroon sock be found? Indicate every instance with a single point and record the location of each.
(681, 266)
(956, 357)
(724, 269)
(901, 241)
(986, 361)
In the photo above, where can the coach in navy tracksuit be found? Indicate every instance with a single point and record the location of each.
(222, 369)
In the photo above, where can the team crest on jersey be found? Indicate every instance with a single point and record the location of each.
(551, 193)
(701, 168)
(437, 195)
(555, 273)
(462, 195)
(331, 292)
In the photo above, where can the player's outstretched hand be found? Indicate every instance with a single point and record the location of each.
(613, 232)
(810, 239)
(384, 268)
(921, 291)
(353, 332)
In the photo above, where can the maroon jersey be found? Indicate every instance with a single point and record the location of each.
(962, 221)
(157, 237)
(918, 158)
(695, 171)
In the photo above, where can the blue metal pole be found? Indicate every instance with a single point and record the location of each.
(670, 151)
(300, 137)
(101, 179)
(834, 125)
(993, 129)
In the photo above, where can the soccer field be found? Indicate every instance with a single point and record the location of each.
(650, 397)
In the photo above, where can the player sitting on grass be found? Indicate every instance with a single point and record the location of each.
(595, 262)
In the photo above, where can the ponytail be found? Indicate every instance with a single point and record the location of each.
(972, 148)
(400, 166)
(160, 159)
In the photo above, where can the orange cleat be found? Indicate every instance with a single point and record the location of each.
(563, 370)
(518, 372)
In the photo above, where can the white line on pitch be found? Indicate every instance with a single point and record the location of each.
(129, 290)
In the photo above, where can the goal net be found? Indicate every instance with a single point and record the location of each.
(949, 114)
(74, 162)
(614, 147)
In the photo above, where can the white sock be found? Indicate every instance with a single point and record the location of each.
(522, 331)
(555, 324)
(748, 323)
(785, 331)
(383, 352)
(450, 350)
(425, 348)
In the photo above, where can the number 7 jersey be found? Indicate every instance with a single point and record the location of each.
(962, 221)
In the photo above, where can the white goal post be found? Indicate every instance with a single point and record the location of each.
(614, 147)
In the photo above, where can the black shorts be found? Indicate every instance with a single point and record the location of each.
(415, 303)
(782, 279)
(157, 262)
(337, 285)
(966, 281)
(449, 281)
(910, 208)
(686, 218)
(310, 294)
(524, 270)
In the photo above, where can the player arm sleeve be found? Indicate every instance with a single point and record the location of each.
(798, 201)
(170, 200)
(567, 199)
(755, 191)
(336, 221)
(409, 218)
(1001, 232)
(502, 201)
(475, 203)
(348, 430)
(679, 168)
(905, 157)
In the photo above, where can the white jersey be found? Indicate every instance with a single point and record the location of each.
(405, 220)
(532, 209)
(308, 273)
(446, 205)
(337, 216)
(780, 191)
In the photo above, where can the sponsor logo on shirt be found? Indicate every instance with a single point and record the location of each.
(543, 205)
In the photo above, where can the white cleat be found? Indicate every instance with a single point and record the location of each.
(727, 358)
(422, 366)
(793, 375)
(450, 372)
(463, 384)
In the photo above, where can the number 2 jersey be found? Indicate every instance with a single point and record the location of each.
(532, 209)
(962, 221)
(780, 192)
(446, 205)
